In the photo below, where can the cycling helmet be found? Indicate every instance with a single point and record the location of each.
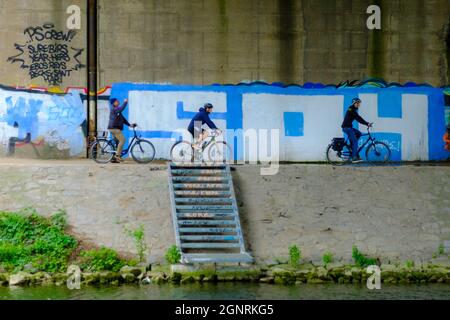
(355, 100)
(208, 105)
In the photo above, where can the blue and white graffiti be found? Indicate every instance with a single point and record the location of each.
(54, 119)
(410, 119)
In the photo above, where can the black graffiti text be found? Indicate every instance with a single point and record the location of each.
(48, 32)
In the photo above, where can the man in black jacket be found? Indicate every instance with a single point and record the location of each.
(115, 125)
(352, 133)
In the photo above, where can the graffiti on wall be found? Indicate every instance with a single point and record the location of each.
(41, 124)
(410, 119)
(47, 53)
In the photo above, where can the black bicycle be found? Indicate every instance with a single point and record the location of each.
(103, 149)
(339, 151)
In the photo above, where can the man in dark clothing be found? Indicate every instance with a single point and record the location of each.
(115, 125)
(195, 126)
(352, 133)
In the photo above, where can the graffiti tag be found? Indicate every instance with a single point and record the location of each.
(47, 53)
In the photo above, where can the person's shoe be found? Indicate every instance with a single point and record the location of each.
(357, 160)
(115, 161)
(120, 159)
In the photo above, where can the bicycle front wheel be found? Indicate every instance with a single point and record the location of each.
(219, 152)
(182, 152)
(102, 151)
(143, 151)
(338, 158)
(378, 152)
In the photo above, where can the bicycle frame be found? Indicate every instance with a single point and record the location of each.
(128, 148)
(369, 140)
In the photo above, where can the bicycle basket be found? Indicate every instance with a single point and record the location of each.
(338, 144)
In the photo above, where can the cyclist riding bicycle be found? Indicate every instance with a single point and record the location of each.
(115, 125)
(352, 133)
(195, 126)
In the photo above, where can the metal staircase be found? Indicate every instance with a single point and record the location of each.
(205, 214)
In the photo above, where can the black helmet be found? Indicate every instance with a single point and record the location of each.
(208, 105)
(355, 100)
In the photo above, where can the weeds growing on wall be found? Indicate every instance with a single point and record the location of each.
(361, 260)
(138, 236)
(32, 241)
(173, 255)
(327, 258)
(295, 255)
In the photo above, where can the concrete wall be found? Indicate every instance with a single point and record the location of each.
(411, 120)
(294, 41)
(36, 48)
(229, 41)
(396, 212)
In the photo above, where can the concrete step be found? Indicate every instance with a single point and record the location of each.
(200, 179)
(202, 193)
(199, 201)
(206, 222)
(205, 215)
(209, 245)
(207, 230)
(217, 258)
(209, 238)
(201, 186)
(204, 207)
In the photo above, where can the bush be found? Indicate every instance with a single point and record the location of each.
(360, 259)
(102, 259)
(327, 258)
(173, 255)
(138, 236)
(294, 255)
(27, 238)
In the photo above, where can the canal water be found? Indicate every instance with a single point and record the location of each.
(229, 291)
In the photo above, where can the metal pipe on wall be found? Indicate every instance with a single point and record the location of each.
(92, 19)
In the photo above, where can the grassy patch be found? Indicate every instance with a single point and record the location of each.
(28, 238)
(360, 259)
(102, 259)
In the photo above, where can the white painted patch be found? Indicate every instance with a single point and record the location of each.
(323, 116)
(413, 126)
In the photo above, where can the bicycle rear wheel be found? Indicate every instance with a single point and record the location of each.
(338, 158)
(378, 152)
(219, 152)
(143, 151)
(182, 152)
(102, 151)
